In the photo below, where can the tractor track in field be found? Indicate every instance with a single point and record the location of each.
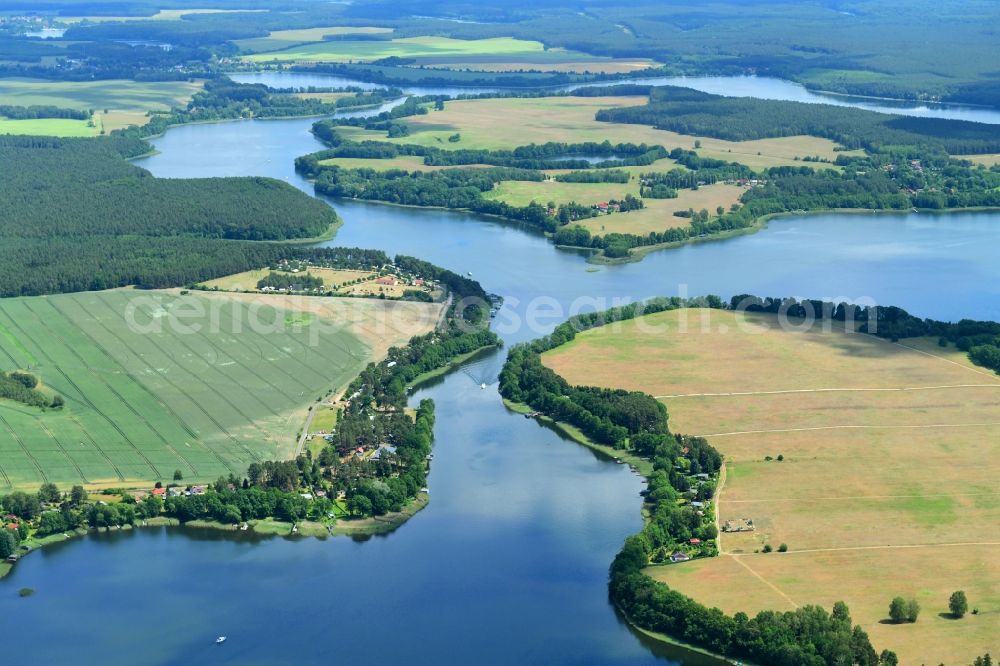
(236, 442)
(84, 399)
(121, 398)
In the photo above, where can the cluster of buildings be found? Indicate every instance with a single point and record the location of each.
(177, 491)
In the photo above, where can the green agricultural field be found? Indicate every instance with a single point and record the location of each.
(97, 95)
(493, 54)
(408, 47)
(49, 127)
(143, 403)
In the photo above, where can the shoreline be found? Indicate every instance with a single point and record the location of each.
(639, 252)
(662, 71)
(419, 380)
(644, 468)
(265, 527)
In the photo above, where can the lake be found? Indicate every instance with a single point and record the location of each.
(508, 563)
(761, 87)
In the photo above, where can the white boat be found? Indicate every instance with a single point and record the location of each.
(220, 639)
(482, 386)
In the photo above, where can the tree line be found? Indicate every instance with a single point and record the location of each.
(696, 113)
(22, 387)
(36, 111)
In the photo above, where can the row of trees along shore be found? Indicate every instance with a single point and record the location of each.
(637, 423)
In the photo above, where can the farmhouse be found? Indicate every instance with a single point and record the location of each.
(679, 556)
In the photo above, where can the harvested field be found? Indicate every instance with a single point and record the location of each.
(889, 455)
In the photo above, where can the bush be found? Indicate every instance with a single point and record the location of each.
(912, 610)
(897, 610)
(783, 548)
(958, 604)
(766, 548)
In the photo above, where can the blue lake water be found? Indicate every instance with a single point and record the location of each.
(761, 87)
(508, 563)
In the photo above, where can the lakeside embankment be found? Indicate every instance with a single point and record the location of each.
(644, 468)
(359, 527)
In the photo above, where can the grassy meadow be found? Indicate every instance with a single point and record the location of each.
(502, 123)
(889, 464)
(657, 215)
(49, 127)
(985, 160)
(198, 387)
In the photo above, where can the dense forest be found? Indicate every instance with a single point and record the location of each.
(638, 423)
(96, 221)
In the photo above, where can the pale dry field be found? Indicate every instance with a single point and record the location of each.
(888, 483)
(502, 123)
(245, 281)
(781, 581)
(324, 97)
(405, 162)
(336, 276)
(985, 160)
(380, 324)
(658, 214)
(114, 120)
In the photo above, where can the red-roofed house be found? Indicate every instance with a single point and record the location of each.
(159, 492)
(695, 542)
